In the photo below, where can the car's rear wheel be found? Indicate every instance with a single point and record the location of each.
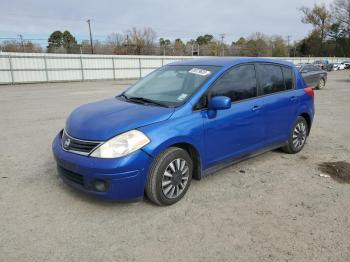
(298, 136)
(321, 84)
(169, 177)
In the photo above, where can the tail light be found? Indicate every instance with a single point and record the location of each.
(309, 91)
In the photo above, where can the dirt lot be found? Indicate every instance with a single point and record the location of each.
(274, 207)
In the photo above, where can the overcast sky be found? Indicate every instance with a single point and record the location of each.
(171, 19)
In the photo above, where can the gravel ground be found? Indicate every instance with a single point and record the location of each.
(274, 207)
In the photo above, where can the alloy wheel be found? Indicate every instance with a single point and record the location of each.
(175, 178)
(299, 135)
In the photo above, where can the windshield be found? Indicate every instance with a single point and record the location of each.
(170, 85)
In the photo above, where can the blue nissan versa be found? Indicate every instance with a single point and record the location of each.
(183, 121)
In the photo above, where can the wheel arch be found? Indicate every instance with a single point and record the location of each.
(307, 117)
(194, 154)
(186, 145)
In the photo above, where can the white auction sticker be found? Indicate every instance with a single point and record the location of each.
(182, 97)
(198, 71)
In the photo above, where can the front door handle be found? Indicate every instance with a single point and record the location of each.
(256, 108)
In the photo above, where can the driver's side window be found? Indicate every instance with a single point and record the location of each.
(238, 83)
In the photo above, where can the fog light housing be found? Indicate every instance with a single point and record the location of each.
(100, 185)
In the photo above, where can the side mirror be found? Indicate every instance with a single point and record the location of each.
(219, 103)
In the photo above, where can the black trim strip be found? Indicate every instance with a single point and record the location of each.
(235, 160)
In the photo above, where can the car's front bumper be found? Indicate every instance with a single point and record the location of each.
(125, 177)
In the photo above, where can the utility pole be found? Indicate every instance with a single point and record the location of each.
(127, 44)
(21, 39)
(92, 49)
(288, 41)
(222, 36)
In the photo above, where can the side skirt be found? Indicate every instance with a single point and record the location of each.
(232, 161)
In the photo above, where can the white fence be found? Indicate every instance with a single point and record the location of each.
(31, 68)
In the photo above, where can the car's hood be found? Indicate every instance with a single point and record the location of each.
(107, 118)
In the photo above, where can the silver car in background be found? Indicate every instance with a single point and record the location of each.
(313, 75)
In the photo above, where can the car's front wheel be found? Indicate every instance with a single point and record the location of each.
(169, 177)
(298, 136)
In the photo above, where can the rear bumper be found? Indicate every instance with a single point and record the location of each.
(125, 177)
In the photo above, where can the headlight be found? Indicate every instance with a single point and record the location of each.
(121, 145)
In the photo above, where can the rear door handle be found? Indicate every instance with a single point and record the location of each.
(256, 107)
(293, 98)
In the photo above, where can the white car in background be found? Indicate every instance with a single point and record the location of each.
(340, 66)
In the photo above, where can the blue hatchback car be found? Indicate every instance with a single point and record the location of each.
(183, 121)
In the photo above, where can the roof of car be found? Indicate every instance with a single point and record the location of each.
(228, 61)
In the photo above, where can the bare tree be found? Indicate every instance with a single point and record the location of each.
(141, 41)
(319, 17)
(15, 46)
(341, 10)
(115, 39)
(115, 43)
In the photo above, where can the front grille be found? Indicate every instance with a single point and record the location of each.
(78, 146)
(74, 177)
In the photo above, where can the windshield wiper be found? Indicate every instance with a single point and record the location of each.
(123, 96)
(143, 100)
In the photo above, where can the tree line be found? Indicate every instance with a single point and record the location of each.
(331, 30)
(330, 36)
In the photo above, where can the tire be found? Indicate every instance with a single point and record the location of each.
(169, 177)
(321, 84)
(297, 137)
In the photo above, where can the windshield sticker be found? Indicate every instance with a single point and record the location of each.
(182, 97)
(198, 71)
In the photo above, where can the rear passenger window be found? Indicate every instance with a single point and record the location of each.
(310, 68)
(270, 78)
(239, 83)
(288, 77)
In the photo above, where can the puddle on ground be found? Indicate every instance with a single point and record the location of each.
(339, 171)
